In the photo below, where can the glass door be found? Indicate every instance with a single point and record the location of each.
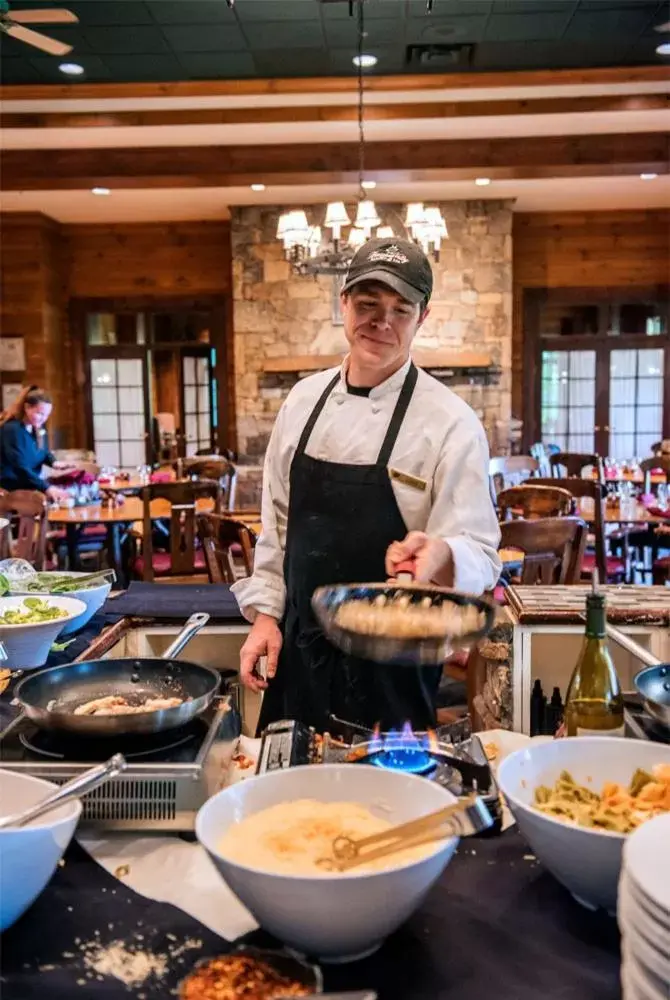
(119, 411)
(568, 399)
(635, 402)
(197, 403)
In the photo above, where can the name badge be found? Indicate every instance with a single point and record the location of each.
(408, 480)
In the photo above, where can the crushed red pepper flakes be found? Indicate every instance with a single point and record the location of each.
(239, 977)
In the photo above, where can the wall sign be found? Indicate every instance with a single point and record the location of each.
(12, 354)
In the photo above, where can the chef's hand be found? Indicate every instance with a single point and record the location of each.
(432, 557)
(264, 639)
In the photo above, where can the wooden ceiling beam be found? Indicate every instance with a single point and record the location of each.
(335, 84)
(338, 113)
(319, 163)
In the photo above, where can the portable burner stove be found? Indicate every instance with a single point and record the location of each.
(450, 755)
(168, 777)
(640, 725)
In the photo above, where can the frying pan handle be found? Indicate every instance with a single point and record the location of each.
(191, 628)
(633, 647)
(73, 789)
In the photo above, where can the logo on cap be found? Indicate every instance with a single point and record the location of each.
(389, 255)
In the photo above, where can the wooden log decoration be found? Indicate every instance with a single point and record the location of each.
(493, 700)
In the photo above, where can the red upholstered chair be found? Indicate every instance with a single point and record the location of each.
(182, 555)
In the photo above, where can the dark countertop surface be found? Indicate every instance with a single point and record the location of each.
(495, 926)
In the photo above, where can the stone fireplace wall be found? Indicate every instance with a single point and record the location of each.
(278, 314)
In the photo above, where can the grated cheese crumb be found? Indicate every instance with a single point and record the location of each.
(130, 967)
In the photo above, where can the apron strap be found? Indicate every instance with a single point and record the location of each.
(401, 407)
(314, 415)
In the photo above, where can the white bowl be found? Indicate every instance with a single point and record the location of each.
(333, 918)
(92, 597)
(29, 854)
(28, 646)
(587, 862)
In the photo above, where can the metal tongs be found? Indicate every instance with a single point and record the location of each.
(465, 818)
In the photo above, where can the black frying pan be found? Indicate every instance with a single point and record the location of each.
(49, 697)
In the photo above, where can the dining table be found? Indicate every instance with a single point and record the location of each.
(117, 518)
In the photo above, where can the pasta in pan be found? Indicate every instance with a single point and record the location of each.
(617, 808)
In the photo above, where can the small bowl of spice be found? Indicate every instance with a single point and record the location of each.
(251, 974)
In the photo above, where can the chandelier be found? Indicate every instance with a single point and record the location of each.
(310, 251)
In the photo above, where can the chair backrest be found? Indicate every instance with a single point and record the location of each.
(212, 467)
(28, 510)
(539, 452)
(531, 502)
(589, 489)
(660, 463)
(553, 548)
(182, 531)
(510, 470)
(217, 534)
(575, 463)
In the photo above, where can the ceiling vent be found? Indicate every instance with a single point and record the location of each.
(439, 56)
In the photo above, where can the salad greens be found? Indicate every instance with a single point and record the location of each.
(53, 583)
(35, 611)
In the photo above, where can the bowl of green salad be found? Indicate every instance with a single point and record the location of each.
(30, 625)
(92, 589)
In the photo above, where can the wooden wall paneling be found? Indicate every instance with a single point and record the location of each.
(573, 250)
(153, 259)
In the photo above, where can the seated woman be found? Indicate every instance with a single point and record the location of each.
(24, 447)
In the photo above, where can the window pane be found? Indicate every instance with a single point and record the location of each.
(582, 364)
(131, 400)
(650, 392)
(622, 419)
(132, 426)
(189, 371)
(104, 400)
(107, 454)
(101, 329)
(202, 371)
(190, 405)
(103, 372)
(650, 419)
(105, 427)
(622, 391)
(130, 371)
(651, 363)
(203, 399)
(132, 454)
(582, 393)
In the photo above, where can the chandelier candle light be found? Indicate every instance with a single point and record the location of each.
(304, 245)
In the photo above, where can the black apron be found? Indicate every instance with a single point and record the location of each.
(341, 520)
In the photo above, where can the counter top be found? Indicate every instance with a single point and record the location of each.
(496, 925)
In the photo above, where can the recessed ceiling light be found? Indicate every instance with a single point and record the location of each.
(258, 187)
(71, 69)
(369, 185)
(648, 177)
(482, 182)
(366, 61)
(100, 191)
(663, 49)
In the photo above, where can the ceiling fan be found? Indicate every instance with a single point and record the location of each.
(11, 23)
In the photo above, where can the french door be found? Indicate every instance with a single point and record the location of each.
(597, 376)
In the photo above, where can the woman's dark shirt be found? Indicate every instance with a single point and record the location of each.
(22, 458)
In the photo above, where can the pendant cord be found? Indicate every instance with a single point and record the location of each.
(361, 126)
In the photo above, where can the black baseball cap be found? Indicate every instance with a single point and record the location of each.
(400, 264)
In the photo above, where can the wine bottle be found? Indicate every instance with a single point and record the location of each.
(594, 703)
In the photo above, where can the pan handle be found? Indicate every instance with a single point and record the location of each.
(73, 789)
(633, 647)
(191, 628)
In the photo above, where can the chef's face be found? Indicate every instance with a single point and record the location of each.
(379, 325)
(37, 415)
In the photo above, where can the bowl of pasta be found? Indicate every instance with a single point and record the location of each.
(576, 800)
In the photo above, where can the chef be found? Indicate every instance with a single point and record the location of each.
(360, 457)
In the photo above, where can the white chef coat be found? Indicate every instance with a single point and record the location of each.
(441, 442)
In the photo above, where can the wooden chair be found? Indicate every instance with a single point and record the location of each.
(610, 568)
(575, 463)
(531, 502)
(223, 539)
(213, 467)
(649, 465)
(27, 509)
(182, 557)
(553, 548)
(510, 470)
